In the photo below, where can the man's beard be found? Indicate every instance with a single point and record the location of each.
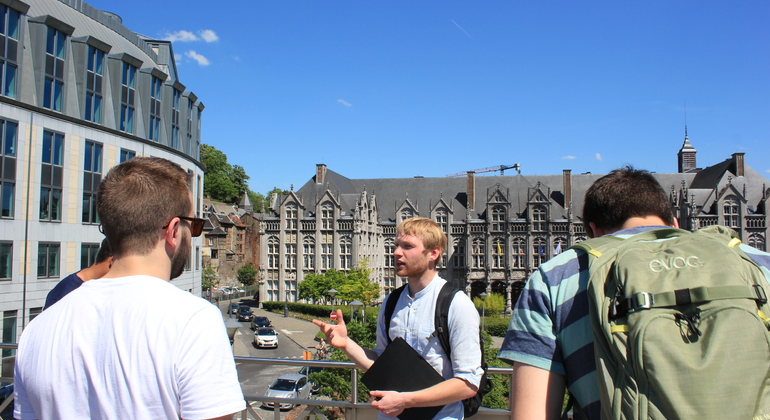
(180, 257)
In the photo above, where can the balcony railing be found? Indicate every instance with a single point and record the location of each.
(353, 411)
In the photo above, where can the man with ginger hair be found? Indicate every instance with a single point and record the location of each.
(132, 345)
(419, 245)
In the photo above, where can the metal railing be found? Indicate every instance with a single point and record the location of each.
(312, 410)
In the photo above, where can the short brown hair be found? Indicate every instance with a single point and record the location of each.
(137, 199)
(622, 194)
(426, 229)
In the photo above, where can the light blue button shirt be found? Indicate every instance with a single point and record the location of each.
(413, 320)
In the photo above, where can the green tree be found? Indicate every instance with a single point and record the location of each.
(222, 181)
(247, 274)
(357, 285)
(494, 304)
(208, 278)
(316, 286)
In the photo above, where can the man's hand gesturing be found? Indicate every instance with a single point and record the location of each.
(336, 335)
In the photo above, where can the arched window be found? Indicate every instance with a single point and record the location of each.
(479, 249)
(442, 219)
(498, 219)
(559, 245)
(498, 253)
(539, 252)
(732, 212)
(308, 253)
(327, 216)
(518, 252)
(538, 218)
(757, 241)
(406, 213)
(346, 253)
(458, 258)
(291, 216)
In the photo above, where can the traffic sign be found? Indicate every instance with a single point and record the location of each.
(333, 316)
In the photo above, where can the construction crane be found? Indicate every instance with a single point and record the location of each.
(500, 168)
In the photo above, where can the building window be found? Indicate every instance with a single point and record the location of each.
(518, 252)
(291, 216)
(272, 252)
(51, 176)
(126, 154)
(34, 312)
(327, 216)
(498, 219)
(94, 77)
(9, 331)
(442, 220)
(346, 254)
(479, 249)
(327, 252)
(290, 287)
(9, 43)
(390, 248)
(47, 260)
(539, 252)
(175, 98)
(406, 214)
(458, 258)
(560, 245)
(498, 253)
(732, 212)
(8, 134)
(127, 97)
(92, 176)
(291, 256)
(53, 87)
(538, 218)
(757, 241)
(88, 254)
(6, 260)
(188, 143)
(308, 253)
(156, 87)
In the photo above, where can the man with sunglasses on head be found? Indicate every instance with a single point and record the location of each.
(132, 345)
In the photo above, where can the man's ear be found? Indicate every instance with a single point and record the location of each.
(434, 254)
(172, 234)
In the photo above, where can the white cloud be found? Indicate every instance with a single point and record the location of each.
(208, 35)
(344, 102)
(203, 61)
(181, 36)
(178, 58)
(568, 157)
(768, 171)
(598, 156)
(236, 58)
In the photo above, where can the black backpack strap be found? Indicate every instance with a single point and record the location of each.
(441, 320)
(390, 306)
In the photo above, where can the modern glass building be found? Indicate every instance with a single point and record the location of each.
(79, 93)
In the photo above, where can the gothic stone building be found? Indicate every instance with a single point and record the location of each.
(499, 228)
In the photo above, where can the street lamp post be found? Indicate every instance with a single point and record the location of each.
(332, 293)
(229, 307)
(355, 306)
(483, 297)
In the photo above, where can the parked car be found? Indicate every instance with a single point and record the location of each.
(265, 337)
(288, 386)
(234, 308)
(244, 313)
(259, 322)
(307, 371)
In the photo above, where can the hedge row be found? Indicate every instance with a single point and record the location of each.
(496, 326)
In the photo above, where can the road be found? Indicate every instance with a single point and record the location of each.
(294, 336)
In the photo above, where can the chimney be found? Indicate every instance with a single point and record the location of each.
(320, 173)
(567, 176)
(471, 190)
(738, 161)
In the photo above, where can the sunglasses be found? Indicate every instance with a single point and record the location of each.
(196, 225)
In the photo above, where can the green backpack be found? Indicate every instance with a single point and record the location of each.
(679, 326)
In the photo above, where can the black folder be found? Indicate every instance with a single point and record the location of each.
(401, 368)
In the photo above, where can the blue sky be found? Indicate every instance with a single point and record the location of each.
(405, 88)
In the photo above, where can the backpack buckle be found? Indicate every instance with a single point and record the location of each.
(761, 296)
(639, 301)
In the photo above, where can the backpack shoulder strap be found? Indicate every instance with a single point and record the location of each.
(390, 306)
(441, 320)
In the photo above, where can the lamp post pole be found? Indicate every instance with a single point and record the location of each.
(230, 307)
(332, 293)
(483, 297)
